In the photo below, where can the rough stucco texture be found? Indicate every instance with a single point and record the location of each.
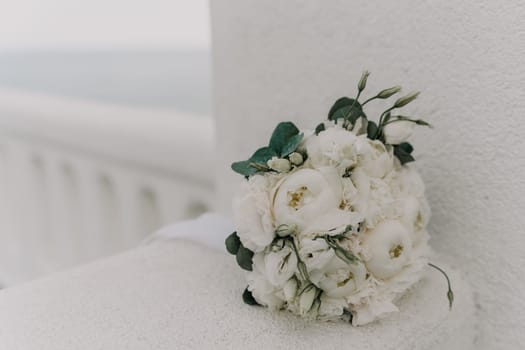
(277, 60)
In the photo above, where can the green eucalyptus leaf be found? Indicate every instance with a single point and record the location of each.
(244, 168)
(407, 147)
(244, 258)
(233, 243)
(263, 155)
(371, 130)
(282, 135)
(320, 128)
(340, 103)
(292, 145)
(403, 156)
(350, 111)
(248, 298)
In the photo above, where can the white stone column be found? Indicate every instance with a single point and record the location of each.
(278, 60)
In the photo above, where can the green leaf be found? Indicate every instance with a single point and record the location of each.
(244, 168)
(346, 108)
(244, 258)
(407, 147)
(292, 145)
(248, 298)
(340, 103)
(282, 135)
(371, 130)
(263, 155)
(403, 156)
(233, 243)
(319, 129)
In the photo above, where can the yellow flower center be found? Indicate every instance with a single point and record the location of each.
(296, 198)
(396, 251)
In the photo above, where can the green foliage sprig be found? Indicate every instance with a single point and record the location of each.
(350, 110)
(284, 141)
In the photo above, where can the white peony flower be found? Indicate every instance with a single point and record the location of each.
(308, 194)
(388, 249)
(398, 131)
(252, 212)
(333, 147)
(374, 157)
(280, 165)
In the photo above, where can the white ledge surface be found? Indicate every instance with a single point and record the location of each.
(183, 295)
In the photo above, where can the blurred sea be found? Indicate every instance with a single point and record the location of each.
(155, 79)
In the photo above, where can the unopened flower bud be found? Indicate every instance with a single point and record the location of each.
(386, 93)
(279, 164)
(307, 299)
(286, 230)
(402, 101)
(362, 82)
(296, 158)
(290, 289)
(398, 131)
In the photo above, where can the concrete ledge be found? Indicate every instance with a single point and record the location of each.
(182, 295)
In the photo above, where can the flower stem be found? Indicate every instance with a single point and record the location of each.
(450, 293)
(370, 99)
(379, 124)
(301, 266)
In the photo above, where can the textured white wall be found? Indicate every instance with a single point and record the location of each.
(278, 60)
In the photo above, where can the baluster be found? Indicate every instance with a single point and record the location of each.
(129, 211)
(90, 222)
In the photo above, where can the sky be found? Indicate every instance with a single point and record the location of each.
(102, 24)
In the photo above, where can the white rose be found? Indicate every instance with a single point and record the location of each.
(252, 212)
(280, 265)
(309, 194)
(387, 248)
(332, 147)
(375, 159)
(279, 164)
(398, 131)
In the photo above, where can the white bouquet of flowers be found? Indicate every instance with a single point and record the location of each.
(331, 224)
